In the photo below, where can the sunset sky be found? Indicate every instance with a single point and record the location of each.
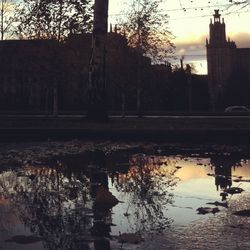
(189, 22)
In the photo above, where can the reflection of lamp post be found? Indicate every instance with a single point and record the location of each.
(101, 208)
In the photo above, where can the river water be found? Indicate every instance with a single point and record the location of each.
(51, 204)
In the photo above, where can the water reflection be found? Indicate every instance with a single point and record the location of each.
(146, 189)
(57, 203)
(51, 204)
(223, 166)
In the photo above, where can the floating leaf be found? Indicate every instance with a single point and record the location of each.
(206, 210)
(234, 190)
(216, 203)
(243, 213)
(24, 239)
(132, 238)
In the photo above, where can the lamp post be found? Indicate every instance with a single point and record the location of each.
(97, 103)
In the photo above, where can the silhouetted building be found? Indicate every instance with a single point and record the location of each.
(28, 69)
(224, 59)
(44, 76)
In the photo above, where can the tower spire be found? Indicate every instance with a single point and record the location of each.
(217, 16)
(217, 30)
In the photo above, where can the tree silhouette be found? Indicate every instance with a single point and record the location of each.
(147, 31)
(6, 17)
(146, 28)
(52, 19)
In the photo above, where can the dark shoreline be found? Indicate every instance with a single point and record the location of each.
(221, 130)
(224, 136)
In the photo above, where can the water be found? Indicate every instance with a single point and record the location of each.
(52, 205)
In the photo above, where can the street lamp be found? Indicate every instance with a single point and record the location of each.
(97, 103)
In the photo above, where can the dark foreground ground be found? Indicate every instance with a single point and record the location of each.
(219, 129)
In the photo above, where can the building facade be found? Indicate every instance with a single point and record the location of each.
(224, 60)
(47, 76)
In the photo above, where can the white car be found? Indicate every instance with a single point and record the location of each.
(236, 109)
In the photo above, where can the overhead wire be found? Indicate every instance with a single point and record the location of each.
(179, 9)
(201, 7)
(208, 15)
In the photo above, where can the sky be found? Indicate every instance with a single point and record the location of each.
(189, 22)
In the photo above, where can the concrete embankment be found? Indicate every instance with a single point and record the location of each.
(172, 129)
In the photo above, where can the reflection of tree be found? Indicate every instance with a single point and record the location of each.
(53, 206)
(146, 186)
(8, 218)
(56, 203)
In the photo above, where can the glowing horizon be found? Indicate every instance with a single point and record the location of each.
(189, 23)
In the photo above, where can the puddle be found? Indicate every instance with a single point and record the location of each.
(54, 206)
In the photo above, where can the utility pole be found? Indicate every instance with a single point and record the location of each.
(139, 63)
(97, 103)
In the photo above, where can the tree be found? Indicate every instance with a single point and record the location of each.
(6, 16)
(97, 109)
(53, 19)
(120, 68)
(147, 31)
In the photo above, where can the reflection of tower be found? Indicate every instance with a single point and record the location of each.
(223, 170)
(223, 176)
(219, 58)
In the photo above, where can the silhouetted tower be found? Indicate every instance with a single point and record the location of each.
(219, 59)
(217, 30)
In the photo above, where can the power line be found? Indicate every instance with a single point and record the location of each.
(208, 15)
(204, 15)
(196, 8)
